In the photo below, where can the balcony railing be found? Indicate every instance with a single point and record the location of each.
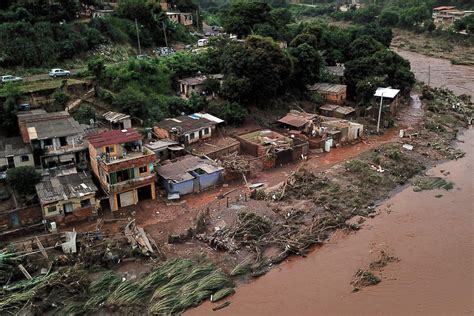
(132, 183)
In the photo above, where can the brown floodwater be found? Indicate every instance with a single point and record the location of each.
(432, 236)
(458, 78)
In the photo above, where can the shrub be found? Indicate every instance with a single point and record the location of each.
(23, 179)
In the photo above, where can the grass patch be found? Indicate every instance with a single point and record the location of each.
(431, 183)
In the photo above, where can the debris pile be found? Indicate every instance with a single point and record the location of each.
(235, 163)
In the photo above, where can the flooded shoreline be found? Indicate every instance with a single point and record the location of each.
(432, 236)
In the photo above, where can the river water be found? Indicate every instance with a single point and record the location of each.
(432, 235)
(441, 73)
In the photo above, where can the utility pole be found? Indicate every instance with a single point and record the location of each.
(138, 38)
(197, 19)
(164, 32)
(429, 74)
(380, 113)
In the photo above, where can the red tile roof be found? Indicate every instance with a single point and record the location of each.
(114, 137)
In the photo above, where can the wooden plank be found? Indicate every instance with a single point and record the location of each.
(41, 248)
(23, 270)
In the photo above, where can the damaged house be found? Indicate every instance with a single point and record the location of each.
(342, 131)
(56, 138)
(189, 174)
(117, 120)
(273, 148)
(187, 129)
(66, 195)
(14, 153)
(296, 121)
(337, 111)
(123, 166)
(188, 86)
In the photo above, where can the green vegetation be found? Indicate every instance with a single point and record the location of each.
(23, 179)
(171, 288)
(41, 33)
(84, 114)
(431, 183)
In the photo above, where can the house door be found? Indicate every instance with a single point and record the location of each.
(126, 199)
(200, 134)
(11, 163)
(14, 220)
(67, 208)
(196, 185)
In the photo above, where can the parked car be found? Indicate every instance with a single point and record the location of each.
(57, 72)
(10, 78)
(202, 42)
(23, 107)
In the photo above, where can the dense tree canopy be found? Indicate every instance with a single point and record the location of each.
(258, 64)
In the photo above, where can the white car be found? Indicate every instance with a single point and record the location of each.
(57, 72)
(10, 78)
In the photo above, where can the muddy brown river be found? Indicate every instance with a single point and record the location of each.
(441, 73)
(431, 232)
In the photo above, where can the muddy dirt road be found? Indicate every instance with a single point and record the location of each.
(458, 78)
(432, 236)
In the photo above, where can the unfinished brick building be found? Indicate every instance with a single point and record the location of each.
(123, 166)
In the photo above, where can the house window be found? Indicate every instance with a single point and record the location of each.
(51, 209)
(25, 158)
(193, 86)
(191, 136)
(63, 141)
(143, 169)
(85, 203)
(109, 149)
(48, 142)
(207, 131)
(123, 175)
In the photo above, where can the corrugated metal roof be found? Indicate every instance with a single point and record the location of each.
(65, 187)
(209, 117)
(344, 110)
(179, 171)
(386, 92)
(185, 124)
(114, 137)
(328, 88)
(115, 117)
(328, 107)
(294, 120)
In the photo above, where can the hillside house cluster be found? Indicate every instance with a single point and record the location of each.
(444, 16)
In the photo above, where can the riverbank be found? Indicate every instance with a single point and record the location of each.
(432, 235)
(456, 48)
